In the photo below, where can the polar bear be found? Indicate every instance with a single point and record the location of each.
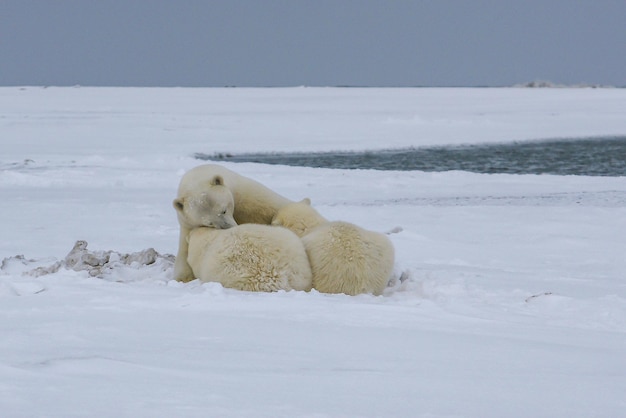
(250, 257)
(344, 257)
(205, 192)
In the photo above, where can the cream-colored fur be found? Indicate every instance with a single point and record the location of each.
(250, 257)
(211, 188)
(344, 257)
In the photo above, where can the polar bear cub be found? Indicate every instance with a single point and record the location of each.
(344, 257)
(205, 192)
(250, 257)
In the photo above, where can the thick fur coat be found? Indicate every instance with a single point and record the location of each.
(250, 257)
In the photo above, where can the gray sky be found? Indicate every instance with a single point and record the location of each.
(313, 43)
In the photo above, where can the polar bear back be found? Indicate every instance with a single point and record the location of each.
(250, 257)
(346, 258)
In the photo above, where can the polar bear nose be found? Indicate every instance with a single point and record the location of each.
(225, 222)
(230, 223)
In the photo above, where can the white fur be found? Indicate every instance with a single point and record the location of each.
(250, 257)
(344, 257)
(211, 189)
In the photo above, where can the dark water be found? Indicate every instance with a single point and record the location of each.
(590, 157)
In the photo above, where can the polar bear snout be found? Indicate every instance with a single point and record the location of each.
(223, 221)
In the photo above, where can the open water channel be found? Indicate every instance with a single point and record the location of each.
(604, 156)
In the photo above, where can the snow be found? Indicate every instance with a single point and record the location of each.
(515, 303)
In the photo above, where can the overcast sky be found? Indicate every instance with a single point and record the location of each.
(313, 43)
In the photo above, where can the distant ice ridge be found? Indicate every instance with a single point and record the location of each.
(550, 84)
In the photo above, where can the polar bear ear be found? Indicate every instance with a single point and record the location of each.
(179, 204)
(306, 201)
(217, 181)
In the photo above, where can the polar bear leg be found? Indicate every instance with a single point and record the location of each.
(182, 269)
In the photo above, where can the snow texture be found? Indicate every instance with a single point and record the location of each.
(511, 300)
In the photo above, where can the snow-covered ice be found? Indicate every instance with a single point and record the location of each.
(515, 305)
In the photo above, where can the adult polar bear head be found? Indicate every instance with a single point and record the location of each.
(212, 208)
